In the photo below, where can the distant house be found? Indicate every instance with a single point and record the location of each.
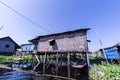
(28, 47)
(70, 41)
(8, 46)
(112, 52)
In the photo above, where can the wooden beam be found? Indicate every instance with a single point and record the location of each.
(58, 77)
(61, 52)
(36, 66)
(37, 58)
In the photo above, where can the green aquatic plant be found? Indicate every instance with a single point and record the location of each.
(105, 71)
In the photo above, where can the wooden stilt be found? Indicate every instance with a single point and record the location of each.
(36, 66)
(39, 57)
(56, 64)
(44, 63)
(61, 60)
(49, 57)
(36, 56)
(87, 60)
(68, 64)
(32, 61)
(43, 57)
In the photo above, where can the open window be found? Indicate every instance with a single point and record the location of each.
(7, 45)
(52, 42)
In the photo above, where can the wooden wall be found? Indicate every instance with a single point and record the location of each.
(64, 42)
(7, 46)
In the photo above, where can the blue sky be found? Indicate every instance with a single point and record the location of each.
(62, 15)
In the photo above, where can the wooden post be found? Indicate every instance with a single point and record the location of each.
(68, 64)
(32, 60)
(87, 61)
(61, 59)
(44, 62)
(56, 64)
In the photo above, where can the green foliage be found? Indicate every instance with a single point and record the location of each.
(105, 71)
(4, 60)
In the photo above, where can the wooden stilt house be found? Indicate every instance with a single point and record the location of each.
(69, 44)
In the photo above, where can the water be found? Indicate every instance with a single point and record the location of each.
(30, 75)
(23, 75)
(16, 75)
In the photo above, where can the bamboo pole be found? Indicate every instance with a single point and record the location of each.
(100, 41)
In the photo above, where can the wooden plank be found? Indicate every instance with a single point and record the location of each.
(54, 76)
(59, 77)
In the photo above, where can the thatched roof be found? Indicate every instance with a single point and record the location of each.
(57, 34)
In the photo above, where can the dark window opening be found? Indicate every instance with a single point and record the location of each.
(7, 45)
(52, 42)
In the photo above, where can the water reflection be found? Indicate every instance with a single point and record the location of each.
(16, 75)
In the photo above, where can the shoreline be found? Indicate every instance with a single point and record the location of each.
(4, 69)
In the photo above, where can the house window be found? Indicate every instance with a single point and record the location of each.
(7, 45)
(52, 42)
(27, 47)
